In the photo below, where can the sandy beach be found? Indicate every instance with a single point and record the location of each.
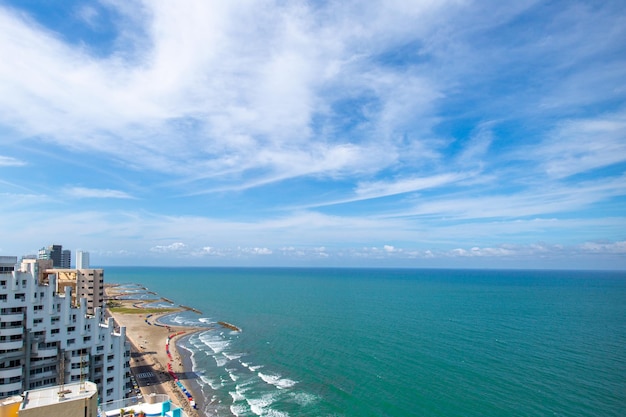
(150, 363)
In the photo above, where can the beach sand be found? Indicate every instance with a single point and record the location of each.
(149, 356)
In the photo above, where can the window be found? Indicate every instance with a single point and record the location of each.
(12, 310)
(71, 329)
(37, 321)
(54, 331)
(11, 364)
(38, 308)
(12, 338)
(86, 339)
(20, 296)
(71, 341)
(3, 297)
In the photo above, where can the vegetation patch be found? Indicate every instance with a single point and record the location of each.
(133, 310)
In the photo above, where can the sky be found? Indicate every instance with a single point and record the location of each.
(469, 134)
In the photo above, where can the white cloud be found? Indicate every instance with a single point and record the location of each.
(81, 192)
(257, 251)
(7, 161)
(174, 247)
(406, 185)
(583, 145)
(607, 247)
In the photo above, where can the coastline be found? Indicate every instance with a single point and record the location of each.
(192, 385)
(153, 363)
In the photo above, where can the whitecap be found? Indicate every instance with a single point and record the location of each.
(220, 360)
(212, 383)
(237, 396)
(276, 413)
(259, 405)
(232, 356)
(304, 398)
(206, 320)
(238, 409)
(277, 380)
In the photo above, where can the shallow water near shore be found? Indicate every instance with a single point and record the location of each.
(378, 342)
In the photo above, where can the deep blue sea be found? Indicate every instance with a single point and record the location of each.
(398, 343)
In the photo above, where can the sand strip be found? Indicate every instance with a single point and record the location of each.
(149, 360)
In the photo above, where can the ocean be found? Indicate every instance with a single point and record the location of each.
(401, 342)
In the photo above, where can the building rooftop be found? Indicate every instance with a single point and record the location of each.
(53, 395)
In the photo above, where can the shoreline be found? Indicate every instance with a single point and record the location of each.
(153, 364)
(192, 384)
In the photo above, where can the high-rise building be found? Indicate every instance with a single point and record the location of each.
(66, 259)
(45, 340)
(82, 260)
(57, 254)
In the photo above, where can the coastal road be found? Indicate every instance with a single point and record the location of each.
(148, 378)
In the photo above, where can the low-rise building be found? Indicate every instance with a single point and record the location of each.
(70, 400)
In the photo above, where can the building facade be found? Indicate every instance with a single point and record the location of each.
(82, 260)
(85, 283)
(46, 340)
(60, 258)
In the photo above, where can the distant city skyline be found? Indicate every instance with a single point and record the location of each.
(412, 134)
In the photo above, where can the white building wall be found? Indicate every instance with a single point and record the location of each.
(82, 260)
(40, 330)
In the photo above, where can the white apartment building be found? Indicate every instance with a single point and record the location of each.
(46, 341)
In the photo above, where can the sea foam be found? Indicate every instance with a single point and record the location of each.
(277, 380)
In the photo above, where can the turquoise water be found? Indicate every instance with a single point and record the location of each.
(375, 342)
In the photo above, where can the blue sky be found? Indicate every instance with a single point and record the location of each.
(378, 133)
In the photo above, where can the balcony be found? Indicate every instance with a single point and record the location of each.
(43, 352)
(11, 344)
(13, 330)
(12, 316)
(15, 386)
(7, 373)
(43, 375)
